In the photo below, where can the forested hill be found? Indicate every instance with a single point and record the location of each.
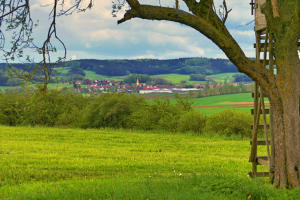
(204, 66)
(154, 66)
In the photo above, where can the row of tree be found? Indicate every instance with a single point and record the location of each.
(65, 109)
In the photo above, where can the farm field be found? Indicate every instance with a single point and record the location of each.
(52, 163)
(220, 78)
(242, 102)
(89, 74)
(177, 78)
(94, 76)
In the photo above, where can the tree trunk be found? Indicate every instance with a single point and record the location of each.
(286, 133)
(285, 126)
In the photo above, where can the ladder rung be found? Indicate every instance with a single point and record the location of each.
(267, 111)
(258, 174)
(260, 126)
(262, 160)
(262, 45)
(260, 142)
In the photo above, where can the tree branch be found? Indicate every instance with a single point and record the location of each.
(213, 28)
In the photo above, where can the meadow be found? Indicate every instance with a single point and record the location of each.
(88, 74)
(241, 102)
(52, 163)
(220, 78)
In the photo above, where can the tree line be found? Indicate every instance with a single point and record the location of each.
(113, 110)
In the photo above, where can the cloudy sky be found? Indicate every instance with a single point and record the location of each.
(95, 34)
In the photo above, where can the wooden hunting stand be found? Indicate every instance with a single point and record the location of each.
(264, 47)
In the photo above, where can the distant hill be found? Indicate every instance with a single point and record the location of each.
(205, 66)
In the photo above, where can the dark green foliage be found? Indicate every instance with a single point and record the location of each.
(67, 109)
(192, 122)
(197, 77)
(111, 110)
(12, 107)
(162, 115)
(143, 78)
(147, 66)
(54, 109)
(229, 122)
(76, 71)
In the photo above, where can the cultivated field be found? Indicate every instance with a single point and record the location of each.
(52, 163)
(241, 102)
(220, 78)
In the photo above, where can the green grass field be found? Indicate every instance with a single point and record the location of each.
(93, 76)
(241, 102)
(52, 163)
(177, 78)
(229, 101)
(62, 70)
(3, 88)
(220, 78)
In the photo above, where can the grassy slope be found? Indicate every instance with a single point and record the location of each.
(51, 163)
(89, 74)
(220, 78)
(93, 76)
(223, 100)
(219, 100)
(177, 78)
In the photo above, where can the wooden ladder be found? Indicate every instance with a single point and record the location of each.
(262, 46)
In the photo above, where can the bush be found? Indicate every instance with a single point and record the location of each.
(192, 122)
(230, 122)
(54, 108)
(161, 115)
(111, 110)
(12, 108)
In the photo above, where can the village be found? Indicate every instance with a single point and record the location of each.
(87, 86)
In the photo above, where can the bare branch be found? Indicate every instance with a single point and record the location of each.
(225, 12)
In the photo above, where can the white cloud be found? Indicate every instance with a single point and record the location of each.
(95, 33)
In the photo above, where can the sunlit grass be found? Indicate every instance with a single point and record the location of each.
(52, 163)
(177, 78)
(220, 78)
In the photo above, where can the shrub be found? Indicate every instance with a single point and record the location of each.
(161, 115)
(111, 110)
(192, 122)
(230, 122)
(12, 108)
(54, 108)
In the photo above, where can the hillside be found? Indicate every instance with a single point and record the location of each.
(104, 68)
(153, 66)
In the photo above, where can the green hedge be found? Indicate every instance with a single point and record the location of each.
(229, 122)
(67, 109)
